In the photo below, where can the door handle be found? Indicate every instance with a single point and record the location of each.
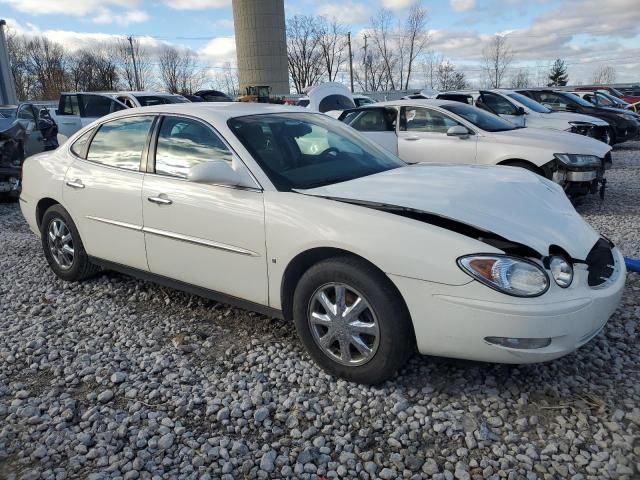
(77, 184)
(411, 139)
(160, 200)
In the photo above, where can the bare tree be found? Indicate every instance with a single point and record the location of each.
(179, 71)
(304, 51)
(384, 49)
(497, 57)
(414, 39)
(226, 79)
(430, 69)
(333, 45)
(92, 70)
(47, 63)
(604, 75)
(520, 79)
(448, 78)
(19, 60)
(125, 53)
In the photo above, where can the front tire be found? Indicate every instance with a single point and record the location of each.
(63, 246)
(352, 320)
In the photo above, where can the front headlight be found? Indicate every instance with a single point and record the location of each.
(561, 271)
(575, 160)
(510, 275)
(581, 128)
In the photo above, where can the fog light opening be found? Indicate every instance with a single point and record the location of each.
(520, 343)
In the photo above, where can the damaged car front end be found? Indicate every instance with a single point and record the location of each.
(12, 136)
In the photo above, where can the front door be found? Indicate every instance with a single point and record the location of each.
(422, 137)
(34, 141)
(103, 189)
(211, 236)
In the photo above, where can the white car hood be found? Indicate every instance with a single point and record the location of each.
(518, 205)
(578, 117)
(556, 140)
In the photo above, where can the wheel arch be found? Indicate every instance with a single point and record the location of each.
(520, 162)
(42, 206)
(299, 264)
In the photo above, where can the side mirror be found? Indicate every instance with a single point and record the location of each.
(520, 111)
(458, 131)
(215, 171)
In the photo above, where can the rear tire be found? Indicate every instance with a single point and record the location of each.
(63, 246)
(371, 310)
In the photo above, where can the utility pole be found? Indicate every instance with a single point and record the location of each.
(366, 60)
(350, 60)
(135, 66)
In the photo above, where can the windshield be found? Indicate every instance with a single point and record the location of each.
(307, 150)
(529, 102)
(613, 100)
(573, 98)
(481, 119)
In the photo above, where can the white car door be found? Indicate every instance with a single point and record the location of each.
(211, 236)
(499, 105)
(422, 137)
(378, 124)
(103, 189)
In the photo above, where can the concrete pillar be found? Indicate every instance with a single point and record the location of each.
(261, 44)
(7, 85)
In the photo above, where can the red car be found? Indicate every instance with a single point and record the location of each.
(611, 90)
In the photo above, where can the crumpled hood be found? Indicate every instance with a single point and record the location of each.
(578, 117)
(556, 140)
(508, 201)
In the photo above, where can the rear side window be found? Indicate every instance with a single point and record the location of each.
(98, 106)
(372, 120)
(184, 143)
(79, 147)
(120, 143)
(70, 105)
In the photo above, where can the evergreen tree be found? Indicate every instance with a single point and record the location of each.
(558, 75)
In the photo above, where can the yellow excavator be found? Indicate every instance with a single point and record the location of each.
(259, 94)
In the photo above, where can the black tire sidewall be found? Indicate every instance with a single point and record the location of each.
(80, 259)
(396, 341)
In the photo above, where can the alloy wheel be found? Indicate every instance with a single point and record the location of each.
(343, 324)
(60, 243)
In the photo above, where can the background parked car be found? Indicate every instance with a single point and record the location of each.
(77, 110)
(525, 112)
(213, 96)
(622, 124)
(444, 131)
(24, 131)
(601, 98)
(147, 99)
(629, 98)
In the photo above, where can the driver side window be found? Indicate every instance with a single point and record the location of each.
(417, 119)
(184, 143)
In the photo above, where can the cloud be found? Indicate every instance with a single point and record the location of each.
(219, 51)
(196, 4)
(347, 12)
(122, 12)
(396, 4)
(462, 5)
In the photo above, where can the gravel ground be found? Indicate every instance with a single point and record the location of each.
(118, 378)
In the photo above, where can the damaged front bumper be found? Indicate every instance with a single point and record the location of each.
(579, 180)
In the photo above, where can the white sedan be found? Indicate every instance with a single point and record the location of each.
(294, 214)
(447, 131)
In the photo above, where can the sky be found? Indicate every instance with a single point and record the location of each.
(587, 34)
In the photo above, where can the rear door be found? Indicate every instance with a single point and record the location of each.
(377, 124)
(422, 137)
(68, 115)
(103, 189)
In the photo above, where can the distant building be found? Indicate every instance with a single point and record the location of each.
(7, 85)
(261, 44)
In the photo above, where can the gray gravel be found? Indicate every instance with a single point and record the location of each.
(118, 378)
